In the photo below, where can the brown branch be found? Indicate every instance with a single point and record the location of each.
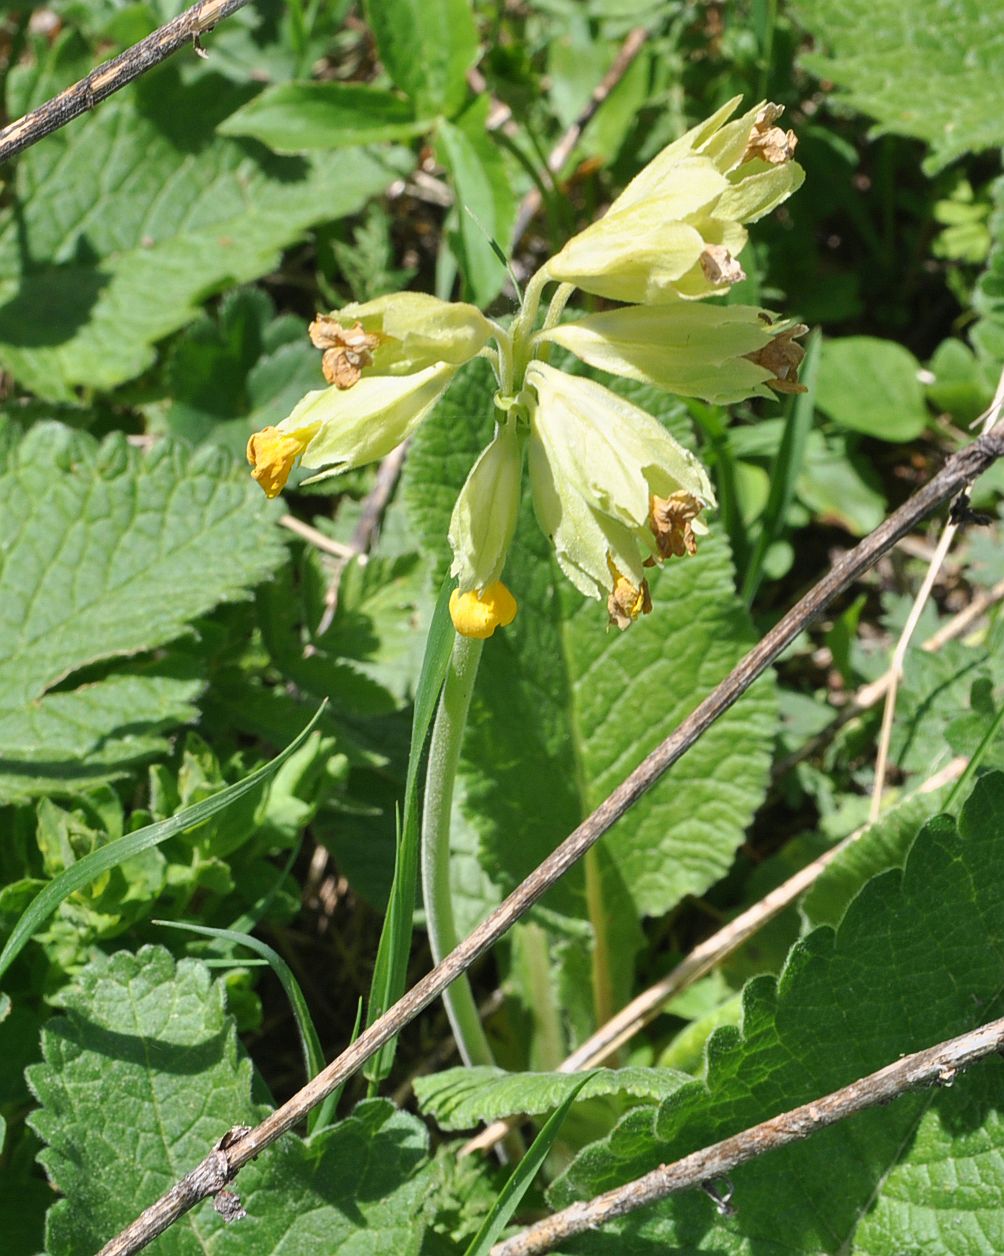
(959, 469)
(187, 27)
(940, 1064)
(562, 150)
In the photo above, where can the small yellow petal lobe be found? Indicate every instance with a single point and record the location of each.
(477, 614)
(272, 453)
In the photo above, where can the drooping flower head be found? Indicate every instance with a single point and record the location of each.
(614, 492)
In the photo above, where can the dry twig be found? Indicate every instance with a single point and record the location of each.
(187, 27)
(960, 469)
(937, 1065)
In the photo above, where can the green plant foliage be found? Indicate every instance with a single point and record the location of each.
(97, 571)
(460, 1098)
(924, 70)
(871, 386)
(175, 1083)
(427, 47)
(846, 1004)
(564, 710)
(155, 214)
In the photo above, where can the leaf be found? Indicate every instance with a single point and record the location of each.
(144, 1074)
(460, 1098)
(485, 206)
(90, 866)
(122, 225)
(918, 958)
(872, 386)
(112, 553)
(563, 710)
(232, 374)
(926, 71)
(303, 117)
(427, 47)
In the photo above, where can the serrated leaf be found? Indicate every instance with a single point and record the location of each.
(918, 958)
(124, 223)
(144, 1074)
(460, 1098)
(111, 553)
(302, 117)
(922, 70)
(427, 47)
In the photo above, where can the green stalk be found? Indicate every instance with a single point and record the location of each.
(444, 755)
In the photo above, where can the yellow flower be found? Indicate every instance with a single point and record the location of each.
(720, 353)
(612, 490)
(477, 614)
(678, 227)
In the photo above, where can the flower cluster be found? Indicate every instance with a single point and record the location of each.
(612, 490)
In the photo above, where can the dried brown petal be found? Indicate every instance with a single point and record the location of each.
(346, 349)
(769, 142)
(671, 519)
(783, 357)
(719, 266)
(626, 601)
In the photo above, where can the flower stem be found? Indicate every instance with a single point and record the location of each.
(444, 755)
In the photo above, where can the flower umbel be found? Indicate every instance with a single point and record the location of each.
(614, 492)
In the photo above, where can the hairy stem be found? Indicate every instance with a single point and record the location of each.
(444, 755)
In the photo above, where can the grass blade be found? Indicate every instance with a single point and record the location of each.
(122, 848)
(522, 1177)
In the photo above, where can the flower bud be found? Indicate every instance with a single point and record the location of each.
(484, 517)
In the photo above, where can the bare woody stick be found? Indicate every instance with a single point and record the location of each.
(940, 1064)
(186, 28)
(205, 1180)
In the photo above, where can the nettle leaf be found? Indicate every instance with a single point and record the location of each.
(235, 373)
(144, 1075)
(918, 958)
(460, 1098)
(563, 709)
(927, 71)
(123, 224)
(111, 553)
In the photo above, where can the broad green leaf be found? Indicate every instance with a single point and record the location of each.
(460, 1098)
(988, 298)
(302, 117)
(522, 1176)
(141, 1078)
(840, 485)
(485, 207)
(112, 553)
(563, 710)
(427, 47)
(92, 865)
(872, 386)
(918, 958)
(923, 70)
(122, 224)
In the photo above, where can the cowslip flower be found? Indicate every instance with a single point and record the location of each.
(615, 494)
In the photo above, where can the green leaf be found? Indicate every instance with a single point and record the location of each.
(872, 386)
(427, 47)
(486, 207)
(113, 553)
(925, 70)
(563, 710)
(232, 374)
(123, 224)
(142, 1077)
(522, 1176)
(460, 1098)
(302, 117)
(918, 958)
(116, 852)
